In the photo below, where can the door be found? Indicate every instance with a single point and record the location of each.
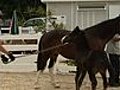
(91, 15)
(114, 10)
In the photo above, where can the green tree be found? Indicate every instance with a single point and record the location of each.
(25, 9)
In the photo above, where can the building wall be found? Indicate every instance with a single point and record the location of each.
(62, 9)
(90, 13)
(114, 9)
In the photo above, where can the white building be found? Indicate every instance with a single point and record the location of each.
(83, 13)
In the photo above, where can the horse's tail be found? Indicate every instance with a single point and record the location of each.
(39, 57)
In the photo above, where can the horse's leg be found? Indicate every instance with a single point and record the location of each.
(92, 79)
(41, 64)
(36, 86)
(52, 70)
(78, 72)
(105, 84)
(79, 77)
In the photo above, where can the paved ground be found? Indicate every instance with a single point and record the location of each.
(21, 75)
(26, 63)
(26, 80)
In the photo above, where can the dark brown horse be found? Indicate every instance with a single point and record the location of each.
(88, 60)
(97, 36)
(53, 39)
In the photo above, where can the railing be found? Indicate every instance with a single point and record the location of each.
(23, 42)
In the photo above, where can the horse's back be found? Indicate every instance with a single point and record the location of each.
(53, 38)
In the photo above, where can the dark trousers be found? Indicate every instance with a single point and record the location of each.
(116, 65)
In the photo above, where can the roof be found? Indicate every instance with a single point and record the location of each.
(74, 0)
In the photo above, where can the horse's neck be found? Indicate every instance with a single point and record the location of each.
(97, 39)
(105, 30)
(98, 35)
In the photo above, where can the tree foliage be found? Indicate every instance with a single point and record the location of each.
(25, 8)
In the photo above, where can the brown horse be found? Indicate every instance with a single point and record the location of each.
(88, 60)
(97, 36)
(53, 39)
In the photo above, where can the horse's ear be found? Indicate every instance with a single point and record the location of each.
(118, 16)
(77, 29)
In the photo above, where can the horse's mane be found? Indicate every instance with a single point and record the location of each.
(56, 34)
(102, 24)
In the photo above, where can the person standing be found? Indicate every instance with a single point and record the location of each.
(113, 49)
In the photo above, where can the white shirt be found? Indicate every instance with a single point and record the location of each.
(113, 47)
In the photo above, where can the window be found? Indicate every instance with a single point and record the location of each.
(90, 8)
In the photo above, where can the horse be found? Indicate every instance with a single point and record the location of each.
(48, 40)
(88, 60)
(97, 36)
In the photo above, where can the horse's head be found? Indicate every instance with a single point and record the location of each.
(73, 36)
(78, 38)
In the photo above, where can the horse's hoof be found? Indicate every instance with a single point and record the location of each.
(57, 85)
(36, 87)
(4, 59)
